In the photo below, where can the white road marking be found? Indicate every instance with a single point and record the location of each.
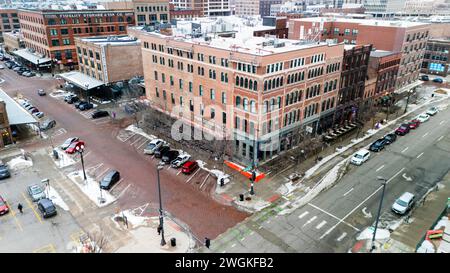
(125, 140)
(342, 236)
(121, 179)
(350, 190)
(102, 173)
(353, 210)
(335, 217)
(179, 172)
(420, 155)
(124, 190)
(251, 233)
(187, 181)
(319, 226)
(168, 167)
(381, 167)
(425, 134)
(95, 167)
(303, 214)
(233, 245)
(310, 221)
(440, 138)
(242, 239)
(442, 122)
(404, 150)
(204, 181)
(140, 146)
(86, 154)
(136, 140)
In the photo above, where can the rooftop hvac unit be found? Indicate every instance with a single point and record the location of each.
(277, 45)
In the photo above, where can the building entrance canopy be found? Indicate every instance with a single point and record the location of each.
(27, 55)
(81, 80)
(16, 114)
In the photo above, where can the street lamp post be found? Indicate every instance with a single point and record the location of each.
(80, 150)
(161, 219)
(379, 211)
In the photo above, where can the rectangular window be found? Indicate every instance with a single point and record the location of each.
(224, 118)
(53, 32)
(212, 94)
(200, 90)
(64, 31)
(190, 87)
(224, 98)
(213, 113)
(66, 41)
(97, 56)
(55, 42)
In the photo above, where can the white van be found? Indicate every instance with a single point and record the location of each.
(360, 157)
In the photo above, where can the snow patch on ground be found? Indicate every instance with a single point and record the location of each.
(64, 159)
(19, 163)
(367, 234)
(133, 220)
(91, 188)
(58, 93)
(133, 128)
(216, 173)
(56, 198)
(442, 223)
(426, 247)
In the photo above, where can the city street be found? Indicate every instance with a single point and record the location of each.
(331, 221)
(205, 217)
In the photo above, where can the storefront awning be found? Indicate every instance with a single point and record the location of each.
(81, 80)
(16, 113)
(27, 55)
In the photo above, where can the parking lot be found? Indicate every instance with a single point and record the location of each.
(28, 231)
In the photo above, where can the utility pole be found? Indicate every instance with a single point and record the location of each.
(379, 211)
(161, 219)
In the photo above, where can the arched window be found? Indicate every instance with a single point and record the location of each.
(279, 102)
(300, 95)
(325, 88)
(246, 83)
(238, 102)
(289, 79)
(245, 103)
(298, 115)
(328, 104)
(237, 80)
(252, 106)
(274, 83)
(278, 82)
(266, 106)
(285, 119)
(296, 77)
(255, 86)
(272, 104)
(270, 85)
(317, 108)
(286, 103)
(332, 103)
(291, 99)
(250, 84)
(295, 96)
(281, 81)
(265, 85)
(323, 106)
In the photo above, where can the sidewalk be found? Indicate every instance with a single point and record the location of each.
(275, 186)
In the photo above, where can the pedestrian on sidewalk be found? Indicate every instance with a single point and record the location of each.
(20, 207)
(159, 229)
(207, 242)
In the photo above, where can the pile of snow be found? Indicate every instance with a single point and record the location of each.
(133, 220)
(216, 173)
(367, 234)
(91, 188)
(64, 159)
(19, 163)
(139, 131)
(442, 223)
(59, 93)
(53, 195)
(426, 247)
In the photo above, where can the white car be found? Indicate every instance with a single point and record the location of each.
(432, 111)
(180, 160)
(153, 145)
(2, 66)
(360, 157)
(423, 117)
(403, 203)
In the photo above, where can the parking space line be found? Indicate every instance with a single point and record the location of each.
(136, 140)
(50, 248)
(342, 236)
(425, 134)
(319, 226)
(14, 216)
(350, 190)
(442, 121)
(440, 138)
(121, 179)
(404, 150)
(31, 207)
(179, 172)
(125, 140)
(316, 207)
(381, 167)
(204, 181)
(102, 173)
(303, 214)
(420, 155)
(187, 181)
(144, 143)
(124, 190)
(309, 221)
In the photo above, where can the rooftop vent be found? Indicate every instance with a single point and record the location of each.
(280, 44)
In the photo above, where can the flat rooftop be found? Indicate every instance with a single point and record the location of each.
(369, 22)
(380, 53)
(111, 40)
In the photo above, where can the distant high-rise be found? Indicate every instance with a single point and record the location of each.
(209, 7)
(384, 8)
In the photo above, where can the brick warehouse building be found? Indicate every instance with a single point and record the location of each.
(409, 38)
(51, 33)
(9, 21)
(274, 87)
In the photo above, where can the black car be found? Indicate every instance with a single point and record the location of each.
(78, 103)
(47, 124)
(72, 99)
(99, 114)
(170, 156)
(4, 171)
(85, 106)
(46, 207)
(424, 78)
(161, 151)
(110, 179)
(378, 145)
(390, 138)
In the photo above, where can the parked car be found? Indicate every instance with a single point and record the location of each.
(153, 145)
(168, 157)
(16, 67)
(72, 99)
(413, 124)
(78, 103)
(29, 74)
(39, 114)
(378, 145)
(3, 206)
(432, 111)
(438, 80)
(390, 138)
(28, 107)
(360, 157)
(189, 167)
(86, 106)
(41, 92)
(402, 130)
(36, 192)
(4, 171)
(404, 203)
(2, 66)
(73, 147)
(33, 110)
(68, 141)
(47, 208)
(180, 160)
(424, 78)
(9, 65)
(99, 114)
(47, 124)
(69, 97)
(110, 179)
(161, 151)
(423, 117)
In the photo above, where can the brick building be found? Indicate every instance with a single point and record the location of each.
(351, 89)
(188, 13)
(409, 38)
(437, 57)
(52, 33)
(276, 26)
(13, 40)
(207, 7)
(9, 21)
(5, 129)
(246, 89)
(384, 65)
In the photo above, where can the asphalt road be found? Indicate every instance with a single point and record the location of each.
(205, 217)
(330, 222)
